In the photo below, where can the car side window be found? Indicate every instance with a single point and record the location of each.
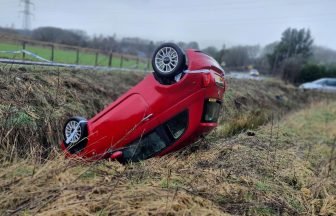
(331, 83)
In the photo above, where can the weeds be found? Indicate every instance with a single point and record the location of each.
(289, 171)
(35, 104)
(170, 185)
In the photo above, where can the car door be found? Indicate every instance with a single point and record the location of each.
(119, 122)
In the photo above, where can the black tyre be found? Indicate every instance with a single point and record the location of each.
(75, 134)
(168, 60)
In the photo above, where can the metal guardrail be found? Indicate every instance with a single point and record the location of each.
(55, 64)
(24, 52)
(23, 42)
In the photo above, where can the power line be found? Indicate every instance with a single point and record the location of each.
(26, 14)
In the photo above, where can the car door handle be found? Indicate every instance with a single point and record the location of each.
(147, 117)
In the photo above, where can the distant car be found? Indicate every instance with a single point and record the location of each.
(324, 84)
(254, 73)
(172, 107)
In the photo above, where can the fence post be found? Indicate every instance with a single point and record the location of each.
(110, 60)
(77, 56)
(148, 63)
(96, 60)
(52, 53)
(137, 63)
(23, 48)
(121, 61)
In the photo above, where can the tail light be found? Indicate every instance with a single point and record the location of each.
(116, 155)
(207, 79)
(219, 80)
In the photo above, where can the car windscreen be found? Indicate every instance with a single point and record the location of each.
(157, 140)
(320, 81)
(146, 147)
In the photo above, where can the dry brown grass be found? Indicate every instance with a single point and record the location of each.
(287, 167)
(35, 102)
(242, 175)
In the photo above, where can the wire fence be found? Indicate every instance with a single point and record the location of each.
(12, 47)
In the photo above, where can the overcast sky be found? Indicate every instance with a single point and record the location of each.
(209, 22)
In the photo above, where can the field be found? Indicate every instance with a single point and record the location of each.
(67, 56)
(273, 154)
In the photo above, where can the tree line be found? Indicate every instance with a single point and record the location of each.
(294, 58)
(287, 58)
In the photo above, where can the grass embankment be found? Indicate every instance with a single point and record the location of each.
(35, 103)
(286, 168)
(283, 167)
(67, 56)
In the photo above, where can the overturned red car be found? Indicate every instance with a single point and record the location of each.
(177, 104)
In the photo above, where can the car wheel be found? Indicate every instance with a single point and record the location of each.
(168, 60)
(75, 134)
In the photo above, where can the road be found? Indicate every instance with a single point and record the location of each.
(243, 75)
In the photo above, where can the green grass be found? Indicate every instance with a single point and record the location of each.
(263, 186)
(67, 56)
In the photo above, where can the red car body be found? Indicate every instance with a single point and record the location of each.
(149, 106)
